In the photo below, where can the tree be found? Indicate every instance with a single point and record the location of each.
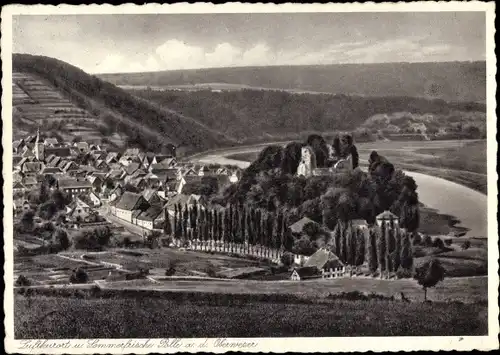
(429, 274)
(406, 251)
(361, 238)
(79, 276)
(372, 250)
(61, 238)
(27, 220)
(320, 149)
(427, 241)
(381, 248)
(438, 243)
(22, 281)
(466, 245)
(167, 227)
(287, 259)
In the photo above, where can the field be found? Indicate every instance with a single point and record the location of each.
(39, 317)
(37, 102)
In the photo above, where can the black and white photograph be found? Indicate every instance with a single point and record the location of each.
(218, 178)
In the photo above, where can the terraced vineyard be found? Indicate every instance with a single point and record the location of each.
(38, 103)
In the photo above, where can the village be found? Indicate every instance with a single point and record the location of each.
(146, 199)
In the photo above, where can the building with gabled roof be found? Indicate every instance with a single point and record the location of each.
(128, 203)
(388, 218)
(298, 227)
(74, 187)
(147, 218)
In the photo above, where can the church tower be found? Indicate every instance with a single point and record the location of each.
(39, 147)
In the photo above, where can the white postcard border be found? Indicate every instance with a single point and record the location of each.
(277, 345)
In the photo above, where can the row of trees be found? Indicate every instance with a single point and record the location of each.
(234, 224)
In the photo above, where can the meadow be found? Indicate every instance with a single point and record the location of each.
(40, 317)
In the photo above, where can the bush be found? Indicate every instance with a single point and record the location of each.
(466, 245)
(438, 243)
(211, 271)
(402, 273)
(287, 259)
(79, 276)
(22, 281)
(171, 269)
(427, 241)
(448, 242)
(416, 239)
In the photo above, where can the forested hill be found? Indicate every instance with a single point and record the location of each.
(145, 124)
(257, 115)
(450, 81)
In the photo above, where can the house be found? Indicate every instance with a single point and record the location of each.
(132, 168)
(29, 181)
(112, 158)
(151, 195)
(324, 259)
(98, 154)
(51, 142)
(115, 193)
(101, 165)
(359, 224)
(304, 273)
(74, 187)
(222, 171)
(298, 227)
(61, 152)
(128, 203)
(94, 199)
(190, 183)
(130, 152)
(388, 218)
(32, 168)
(17, 146)
(125, 160)
(48, 170)
(184, 200)
(166, 160)
(18, 187)
(78, 210)
(71, 166)
(235, 176)
(54, 162)
(20, 206)
(147, 218)
(82, 147)
(96, 181)
(116, 174)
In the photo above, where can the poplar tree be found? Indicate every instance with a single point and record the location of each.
(361, 237)
(336, 240)
(396, 254)
(406, 251)
(175, 221)
(167, 228)
(388, 242)
(243, 225)
(372, 250)
(381, 248)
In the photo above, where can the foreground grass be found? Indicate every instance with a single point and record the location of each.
(41, 317)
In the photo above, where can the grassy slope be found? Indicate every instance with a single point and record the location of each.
(462, 81)
(144, 317)
(139, 119)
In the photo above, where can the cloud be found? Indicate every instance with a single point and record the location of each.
(176, 54)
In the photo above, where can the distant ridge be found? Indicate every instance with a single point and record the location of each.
(142, 122)
(450, 81)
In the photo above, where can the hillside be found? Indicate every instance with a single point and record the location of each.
(451, 81)
(55, 94)
(257, 115)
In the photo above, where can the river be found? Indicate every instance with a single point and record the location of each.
(467, 205)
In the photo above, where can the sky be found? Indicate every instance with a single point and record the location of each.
(152, 42)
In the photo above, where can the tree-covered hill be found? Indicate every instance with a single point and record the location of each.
(253, 115)
(145, 124)
(451, 81)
